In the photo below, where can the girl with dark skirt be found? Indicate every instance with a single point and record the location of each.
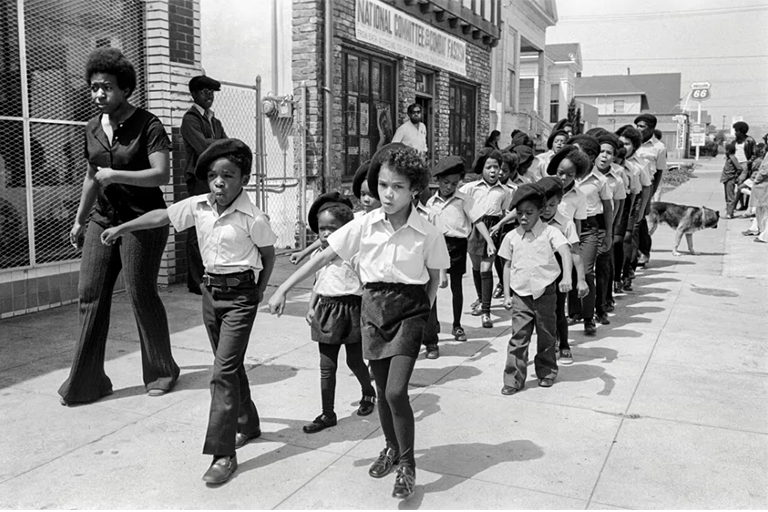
(399, 255)
(128, 159)
(334, 312)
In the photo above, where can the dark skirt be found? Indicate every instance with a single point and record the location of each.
(457, 251)
(337, 320)
(394, 316)
(476, 243)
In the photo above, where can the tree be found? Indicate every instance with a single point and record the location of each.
(574, 116)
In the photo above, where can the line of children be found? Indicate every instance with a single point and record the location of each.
(237, 248)
(400, 256)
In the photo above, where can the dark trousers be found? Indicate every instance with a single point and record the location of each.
(589, 242)
(138, 255)
(395, 413)
(228, 315)
(432, 328)
(329, 363)
(195, 268)
(731, 197)
(527, 311)
(646, 243)
(603, 280)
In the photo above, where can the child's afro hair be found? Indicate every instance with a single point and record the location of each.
(403, 160)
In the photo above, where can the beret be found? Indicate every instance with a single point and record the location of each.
(550, 186)
(587, 143)
(525, 192)
(201, 82)
(648, 118)
(524, 153)
(573, 154)
(483, 155)
(218, 149)
(449, 165)
(555, 133)
(610, 138)
(360, 176)
(324, 202)
(377, 161)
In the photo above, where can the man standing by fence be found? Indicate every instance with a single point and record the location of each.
(199, 129)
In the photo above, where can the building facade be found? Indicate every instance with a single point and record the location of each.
(383, 57)
(564, 66)
(44, 105)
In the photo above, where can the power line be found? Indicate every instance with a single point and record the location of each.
(682, 58)
(652, 15)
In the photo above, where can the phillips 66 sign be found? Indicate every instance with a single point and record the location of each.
(700, 91)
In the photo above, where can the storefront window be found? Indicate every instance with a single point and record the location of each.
(367, 101)
(461, 131)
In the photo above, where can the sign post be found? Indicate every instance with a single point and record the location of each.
(700, 92)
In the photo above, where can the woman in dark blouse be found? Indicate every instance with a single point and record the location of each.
(127, 151)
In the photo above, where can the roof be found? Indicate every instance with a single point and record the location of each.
(661, 89)
(564, 52)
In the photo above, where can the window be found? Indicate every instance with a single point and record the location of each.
(512, 88)
(554, 103)
(527, 95)
(368, 86)
(461, 128)
(618, 106)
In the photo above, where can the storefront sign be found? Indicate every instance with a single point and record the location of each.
(384, 26)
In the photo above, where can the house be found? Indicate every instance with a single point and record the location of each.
(657, 93)
(564, 66)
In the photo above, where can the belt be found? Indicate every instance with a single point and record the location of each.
(228, 280)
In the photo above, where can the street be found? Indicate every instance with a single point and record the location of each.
(664, 408)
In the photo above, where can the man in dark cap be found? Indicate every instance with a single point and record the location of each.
(199, 129)
(654, 152)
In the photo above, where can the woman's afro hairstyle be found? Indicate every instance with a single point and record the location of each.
(588, 144)
(403, 160)
(632, 134)
(483, 155)
(112, 61)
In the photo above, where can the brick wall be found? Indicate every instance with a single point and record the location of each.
(181, 31)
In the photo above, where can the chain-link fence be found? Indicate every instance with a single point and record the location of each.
(274, 128)
(44, 104)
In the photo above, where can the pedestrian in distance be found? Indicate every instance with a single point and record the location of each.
(199, 129)
(493, 140)
(729, 178)
(412, 133)
(552, 187)
(334, 313)
(237, 247)
(399, 255)
(128, 159)
(454, 214)
(530, 273)
(493, 198)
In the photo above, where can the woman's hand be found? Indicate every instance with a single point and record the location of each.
(75, 234)
(494, 229)
(606, 245)
(582, 288)
(277, 303)
(109, 236)
(491, 249)
(310, 316)
(508, 304)
(105, 176)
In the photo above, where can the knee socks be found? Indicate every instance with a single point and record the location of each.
(457, 291)
(478, 283)
(486, 279)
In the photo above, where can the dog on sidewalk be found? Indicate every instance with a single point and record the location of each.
(685, 220)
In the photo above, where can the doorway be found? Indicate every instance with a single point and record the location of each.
(425, 81)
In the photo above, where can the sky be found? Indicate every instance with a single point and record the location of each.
(721, 42)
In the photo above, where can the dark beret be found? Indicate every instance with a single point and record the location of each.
(648, 118)
(220, 148)
(610, 138)
(572, 153)
(555, 133)
(527, 191)
(449, 165)
(587, 144)
(551, 186)
(324, 202)
(483, 155)
(201, 82)
(360, 176)
(377, 161)
(524, 153)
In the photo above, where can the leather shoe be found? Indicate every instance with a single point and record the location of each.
(590, 329)
(366, 405)
(405, 481)
(603, 319)
(243, 439)
(221, 470)
(320, 423)
(509, 390)
(383, 465)
(432, 352)
(546, 383)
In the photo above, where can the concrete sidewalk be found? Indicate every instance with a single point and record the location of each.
(664, 408)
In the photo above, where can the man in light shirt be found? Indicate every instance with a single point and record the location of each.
(413, 133)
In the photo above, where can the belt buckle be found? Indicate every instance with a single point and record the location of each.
(207, 280)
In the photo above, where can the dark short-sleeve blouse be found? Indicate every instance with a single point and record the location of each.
(134, 140)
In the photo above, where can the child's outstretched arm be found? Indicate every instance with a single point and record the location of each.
(268, 264)
(434, 281)
(154, 219)
(507, 286)
(512, 215)
(483, 229)
(277, 301)
(300, 256)
(565, 253)
(581, 283)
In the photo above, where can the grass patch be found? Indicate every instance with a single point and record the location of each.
(676, 176)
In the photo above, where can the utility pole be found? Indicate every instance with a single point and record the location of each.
(723, 122)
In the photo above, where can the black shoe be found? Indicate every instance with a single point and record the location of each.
(575, 319)
(383, 465)
(627, 285)
(243, 439)
(603, 319)
(509, 390)
(221, 470)
(320, 423)
(432, 352)
(546, 383)
(405, 481)
(590, 329)
(617, 287)
(609, 308)
(366, 405)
